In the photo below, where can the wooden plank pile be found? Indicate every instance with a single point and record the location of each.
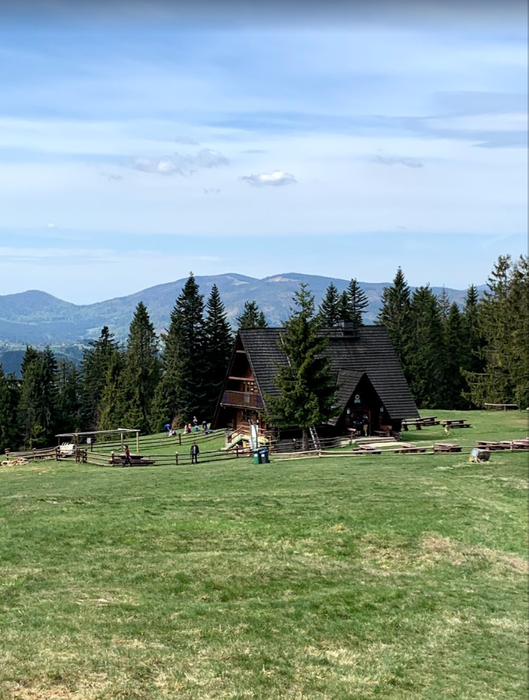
(512, 445)
(409, 448)
(446, 447)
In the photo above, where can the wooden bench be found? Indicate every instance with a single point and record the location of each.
(419, 423)
(456, 423)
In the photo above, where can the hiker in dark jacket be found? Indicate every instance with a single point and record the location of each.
(194, 453)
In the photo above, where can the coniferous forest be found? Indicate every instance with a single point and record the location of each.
(453, 358)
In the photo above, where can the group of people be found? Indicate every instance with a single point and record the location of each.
(188, 428)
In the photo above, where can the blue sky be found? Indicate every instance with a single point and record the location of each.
(139, 142)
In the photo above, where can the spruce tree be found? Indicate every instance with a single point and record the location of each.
(444, 304)
(94, 366)
(141, 372)
(344, 312)
(455, 356)
(68, 397)
(329, 311)
(357, 303)
(425, 350)
(38, 398)
(9, 398)
(113, 403)
(504, 322)
(495, 384)
(217, 349)
(182, 393)
(251, 317)
(306, 383)
(395, 315)
(518, 350)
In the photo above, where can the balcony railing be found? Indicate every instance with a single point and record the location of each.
(242, 398)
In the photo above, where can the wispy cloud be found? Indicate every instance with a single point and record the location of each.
(276, 179)
(181, 164)
(408, 162)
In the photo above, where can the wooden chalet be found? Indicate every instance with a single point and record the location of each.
(371, 389)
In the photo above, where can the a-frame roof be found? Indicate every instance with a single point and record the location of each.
(366, 350)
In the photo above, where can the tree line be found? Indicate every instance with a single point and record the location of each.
(143, 383)
(452, 357)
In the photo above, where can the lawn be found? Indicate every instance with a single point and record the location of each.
(390, 576)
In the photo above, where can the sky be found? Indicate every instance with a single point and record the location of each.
(140, 141)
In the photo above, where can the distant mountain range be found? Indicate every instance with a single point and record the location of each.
(38, 318)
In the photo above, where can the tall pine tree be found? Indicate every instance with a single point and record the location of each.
(9, 398)
(94, 367)
(38, 398)
(357, 303)
(425, 350)
(454, 344)
(182, 391)
(141, 372)
(251, 317)
(329, 315)
(217, 349)
(306, 383)
(395, 315)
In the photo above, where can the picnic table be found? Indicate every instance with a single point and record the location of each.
(456, 423)
(419, 423)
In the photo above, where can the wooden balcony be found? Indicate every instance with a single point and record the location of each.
(243, 399)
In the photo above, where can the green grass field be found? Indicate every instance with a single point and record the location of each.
(390, 576)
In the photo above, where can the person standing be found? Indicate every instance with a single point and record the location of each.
(194, 453)
(127, 462)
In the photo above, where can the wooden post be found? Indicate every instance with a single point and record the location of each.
(121, 434)
(236, 450)
(34, 452)
(57, 450)
(138, 443)
(176, 458)
(112, 457)
(179, 438)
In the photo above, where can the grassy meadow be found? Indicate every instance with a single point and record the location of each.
(385, 576)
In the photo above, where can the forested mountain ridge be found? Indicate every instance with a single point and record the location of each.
(39, 318)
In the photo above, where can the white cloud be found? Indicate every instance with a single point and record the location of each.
(181, 164)
(408, 162)
(276, 179)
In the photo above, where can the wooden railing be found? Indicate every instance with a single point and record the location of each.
(242, 398)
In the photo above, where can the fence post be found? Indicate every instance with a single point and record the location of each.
(176, 458)
(112, 457)
(34, 452)
(7, 450)
(236, 450)
(179, 438)
(57, 451)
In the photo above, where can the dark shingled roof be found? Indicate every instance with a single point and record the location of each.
(368, 350)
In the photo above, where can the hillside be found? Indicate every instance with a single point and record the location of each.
(38, 318)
